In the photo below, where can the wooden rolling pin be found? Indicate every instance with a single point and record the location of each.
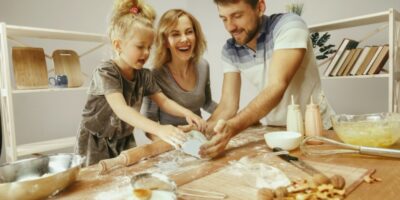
(133, 155)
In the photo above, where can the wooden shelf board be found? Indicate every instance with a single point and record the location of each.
(48, 145)
(49, 90)
(43, 33)
(351, 22)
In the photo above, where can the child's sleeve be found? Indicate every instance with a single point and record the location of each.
(150, 84)
(105, 80)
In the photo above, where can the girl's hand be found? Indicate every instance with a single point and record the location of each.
(186, 128)
(193, 119)
(172, 135)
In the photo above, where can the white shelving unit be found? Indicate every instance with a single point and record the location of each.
(8, 91)
(392, 18)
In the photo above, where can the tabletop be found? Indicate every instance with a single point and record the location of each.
(189, 172)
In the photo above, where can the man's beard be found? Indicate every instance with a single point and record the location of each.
(249, 35)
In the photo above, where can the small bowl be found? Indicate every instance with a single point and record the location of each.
(162, 186)
(374, 130)
(286, 140)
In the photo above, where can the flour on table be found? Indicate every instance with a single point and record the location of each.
(257, 174)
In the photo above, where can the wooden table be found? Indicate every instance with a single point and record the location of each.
(90, 186)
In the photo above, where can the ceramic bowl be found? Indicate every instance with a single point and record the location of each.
(286, 140)
(374, 130)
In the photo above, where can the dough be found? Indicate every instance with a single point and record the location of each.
(193, 143)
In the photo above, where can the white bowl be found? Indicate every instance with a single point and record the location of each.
(287, 140)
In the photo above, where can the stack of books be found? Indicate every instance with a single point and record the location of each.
(350, 60)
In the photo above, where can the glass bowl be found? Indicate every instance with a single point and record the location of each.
(373, 130)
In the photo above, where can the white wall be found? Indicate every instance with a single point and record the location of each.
(37, 113)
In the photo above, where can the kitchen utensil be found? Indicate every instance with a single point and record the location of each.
(287, 140)
(133, 155)
(67, 62)
(297, 162)
(38, 178)
(372, 130)
(30, 70)
(342, 148)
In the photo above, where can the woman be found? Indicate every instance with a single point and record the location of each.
(180, 70)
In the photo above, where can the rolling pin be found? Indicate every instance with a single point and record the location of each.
(133, 155)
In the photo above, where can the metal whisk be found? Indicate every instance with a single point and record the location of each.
(342, 148)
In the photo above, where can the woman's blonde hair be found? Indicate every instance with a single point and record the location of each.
(167, 22)
(128, 14)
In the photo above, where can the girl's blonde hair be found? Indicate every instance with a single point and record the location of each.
(128, 14)
(167, 22)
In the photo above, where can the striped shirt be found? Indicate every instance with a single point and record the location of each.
(279, 31)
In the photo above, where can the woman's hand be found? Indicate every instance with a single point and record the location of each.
(193, 119)
(172, 135)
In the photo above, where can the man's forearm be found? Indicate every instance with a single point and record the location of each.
(223, 112)
(259, 107)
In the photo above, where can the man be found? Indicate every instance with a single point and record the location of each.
(275, 54)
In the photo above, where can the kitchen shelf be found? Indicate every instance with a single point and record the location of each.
(43, 33)
(355, 21)
(8, 92)
(48, 145)
(392, 18)
(49, 90)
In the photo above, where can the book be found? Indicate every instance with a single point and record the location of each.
(340, 62)
(367, 60)
(372, 60)
(360, 60)
(380, 61)
(346, 43)
(346, 62)
(352, 62)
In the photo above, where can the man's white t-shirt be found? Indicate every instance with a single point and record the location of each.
(280, 31)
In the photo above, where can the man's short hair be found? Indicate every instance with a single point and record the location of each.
(252, 3)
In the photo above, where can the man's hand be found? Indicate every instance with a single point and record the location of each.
(214, 147)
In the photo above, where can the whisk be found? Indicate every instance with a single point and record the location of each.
(342, 148)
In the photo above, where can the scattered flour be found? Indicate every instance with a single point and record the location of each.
(258, 174)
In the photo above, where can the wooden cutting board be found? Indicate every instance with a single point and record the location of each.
(30, 70)
(242, 186)
(66, 62)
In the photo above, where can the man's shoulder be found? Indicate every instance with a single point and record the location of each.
(277, 20)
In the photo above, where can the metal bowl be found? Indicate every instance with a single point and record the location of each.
(374, 130)
(38, 178)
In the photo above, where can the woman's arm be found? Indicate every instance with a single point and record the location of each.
(171, 107)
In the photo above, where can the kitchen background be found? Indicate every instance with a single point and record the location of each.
(50, 115)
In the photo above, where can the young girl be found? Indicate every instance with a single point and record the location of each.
(118, 87)
(180, 70)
